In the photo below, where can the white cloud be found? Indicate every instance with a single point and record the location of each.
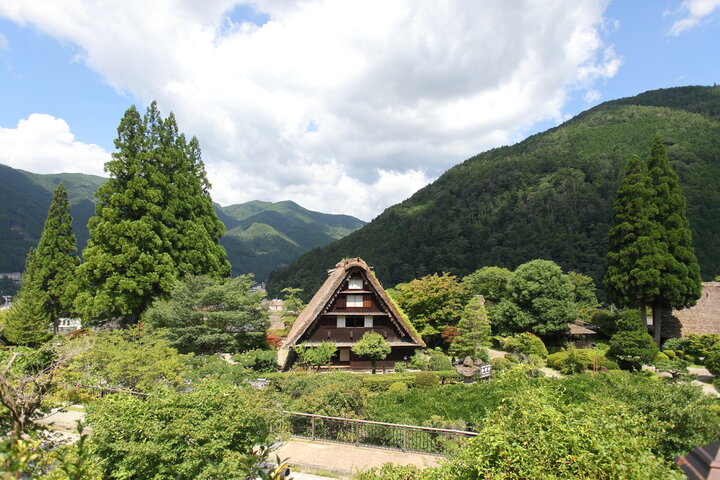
(44, 144)
(695, 11)
(592, 96)
(395, 92)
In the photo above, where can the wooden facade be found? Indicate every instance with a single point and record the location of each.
(350, 303)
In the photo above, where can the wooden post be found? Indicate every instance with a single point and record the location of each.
(312, 423)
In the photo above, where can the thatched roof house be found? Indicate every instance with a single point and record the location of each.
(704, 317)
(350, 303)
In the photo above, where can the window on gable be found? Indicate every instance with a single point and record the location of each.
(355, 284)
(354, 301)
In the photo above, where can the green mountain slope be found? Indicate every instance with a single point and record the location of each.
(549, 196)
(260, 237)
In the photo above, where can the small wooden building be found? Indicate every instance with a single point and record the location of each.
(350, 303)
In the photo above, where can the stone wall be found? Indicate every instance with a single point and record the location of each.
(702, 318)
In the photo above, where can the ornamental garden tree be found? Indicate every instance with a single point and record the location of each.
(373, 346)
(316, 356)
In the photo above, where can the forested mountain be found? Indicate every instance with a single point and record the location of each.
(260, 237)
(549, 196)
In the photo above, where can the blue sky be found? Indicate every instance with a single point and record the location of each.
(289, 102)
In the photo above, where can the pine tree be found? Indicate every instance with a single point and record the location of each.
(154, 221)
(28, 321)
(56, 259)
(679, 284)
(634, 256)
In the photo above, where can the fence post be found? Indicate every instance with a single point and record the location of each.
(356, 430)
(312, 423)
(404, 447)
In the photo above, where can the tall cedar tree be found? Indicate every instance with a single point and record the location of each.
(154, 221)
(28, 321)
(55, 258)
(634, 255)
(680, 285)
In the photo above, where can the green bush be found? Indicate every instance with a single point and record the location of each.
(661, 356)
(420, 360)
(381, 383)
(500, 364)
(700, 345)
(398, 387)
(675, 344)
(426, 380)
(440, 362)
(712, 361)
(670, 354)
(554, 360)
(609, 364)
(690, 358)
(526, 343)
(258, 360)
(575, 361)
(400, 367)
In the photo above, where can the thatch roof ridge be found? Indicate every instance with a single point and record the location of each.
(324, 293)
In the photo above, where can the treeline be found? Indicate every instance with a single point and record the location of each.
(549, 196)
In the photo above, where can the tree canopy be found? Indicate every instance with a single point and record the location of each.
(373, 346)
(206, 315)
(541, 301)
(154, 220)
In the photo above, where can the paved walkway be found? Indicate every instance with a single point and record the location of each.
(346, 459)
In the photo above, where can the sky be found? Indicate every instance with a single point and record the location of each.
(341, 106)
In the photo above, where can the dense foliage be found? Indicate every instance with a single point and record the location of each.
(540, 300)
(207, 433)
(549, 196)
(27, 322)
(473, 331)
(206, 315)
(432, 302)
(316, 356)
(154, 222)
(372, 346)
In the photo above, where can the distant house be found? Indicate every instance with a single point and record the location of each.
(702, 318)
(350, 303)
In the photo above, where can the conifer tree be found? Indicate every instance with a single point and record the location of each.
(679, 284)
(28, 321)
(154, 220)
(56, 259)
(634, 256)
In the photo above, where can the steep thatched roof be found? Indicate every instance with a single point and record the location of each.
(580, 330)
(327, 293)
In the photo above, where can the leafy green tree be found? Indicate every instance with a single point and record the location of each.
(541, 301)
(316, 356)
(634, 254)
(676, 367)
(373, 346)
(138, 359)
(56, 258)
(712, 361)
(292, 305)
(473, 330)
(206, 315)
(679, 285)
(490, 282)
(633, 348)
(214, 431)
(584, 295)
(28, 322)
(432, 302)
(154, 221)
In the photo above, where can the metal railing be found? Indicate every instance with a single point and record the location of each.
(375, 434)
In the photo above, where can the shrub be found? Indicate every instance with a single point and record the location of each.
(609, 364)
(400, 367)
(440, 362)
(690, 358)
(527, 343)
(554, 360)
(700, 345)
(426, 380)
(575, 361)
(712, 361)
(381, 383)
(398, 387)
(670, 354)
(661, 357)
(632, 348)
(258, 360)
(500, 364)
(420, 360)
(334, 400)
(675, 344)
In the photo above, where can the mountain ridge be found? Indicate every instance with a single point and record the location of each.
(548, 196)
